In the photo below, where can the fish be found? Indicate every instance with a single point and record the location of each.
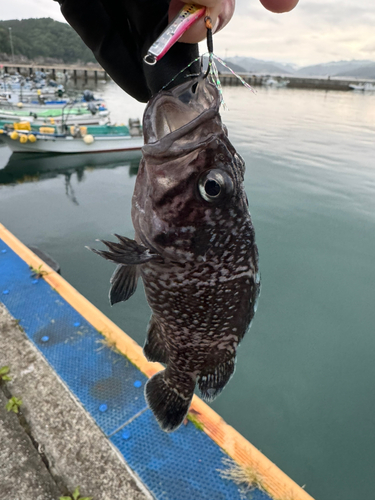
(194, 249)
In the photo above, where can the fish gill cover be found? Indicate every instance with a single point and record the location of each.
(194, 249)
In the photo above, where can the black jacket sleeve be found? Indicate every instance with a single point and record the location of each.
(119, 33)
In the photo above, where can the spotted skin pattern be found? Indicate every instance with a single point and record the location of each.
(202, 281)
(203, 308)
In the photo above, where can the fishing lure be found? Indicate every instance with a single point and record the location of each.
(181, 23)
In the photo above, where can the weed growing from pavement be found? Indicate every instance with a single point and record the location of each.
(75, 496)
(38, 272)
(106, 342)
(14, 404)
(4, 377)
(248, 479)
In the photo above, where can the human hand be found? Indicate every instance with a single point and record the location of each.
(279, 6)
(220, 12)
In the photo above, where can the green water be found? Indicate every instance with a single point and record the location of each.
(303, 389)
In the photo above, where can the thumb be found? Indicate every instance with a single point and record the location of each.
(220, 12)
(279, 6)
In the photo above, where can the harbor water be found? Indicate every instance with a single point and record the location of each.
(303, 389)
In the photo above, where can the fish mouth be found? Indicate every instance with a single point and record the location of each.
(174, 113)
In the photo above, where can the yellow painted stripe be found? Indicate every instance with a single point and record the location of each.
(276, 482)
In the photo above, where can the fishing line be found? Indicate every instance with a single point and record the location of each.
(212, 72)
(179, 73)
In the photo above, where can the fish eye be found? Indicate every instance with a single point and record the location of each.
(214, 185)
(212, 188)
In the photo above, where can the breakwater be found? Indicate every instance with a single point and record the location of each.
(324, 83)
(96, 72)
(72, 71)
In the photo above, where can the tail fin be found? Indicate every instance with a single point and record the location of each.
(168, 405)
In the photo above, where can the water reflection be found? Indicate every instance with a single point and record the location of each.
(31, 167)
(69, 190)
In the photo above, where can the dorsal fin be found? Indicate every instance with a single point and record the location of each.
(128, 252)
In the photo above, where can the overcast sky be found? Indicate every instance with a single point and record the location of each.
(315, 31)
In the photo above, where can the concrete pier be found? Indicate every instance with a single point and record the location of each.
(96, 72)
(296, 82)
(73, 71)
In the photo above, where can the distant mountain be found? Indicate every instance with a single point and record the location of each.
(353, 68)
(365, 72)
(46, 38)
(235, 67)
(252, 65)
(222, 69)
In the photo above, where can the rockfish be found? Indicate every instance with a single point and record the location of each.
(194, 248)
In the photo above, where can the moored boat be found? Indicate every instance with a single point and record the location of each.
(363, 87)
(22, 138)
(67, 115)
(35, 106)
(17, 101)
(272, 82)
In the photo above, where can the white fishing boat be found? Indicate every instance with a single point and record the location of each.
(33, 93)
(96, 139)
(84, 119)
(61, 106)
(16, 101)
(362, 87)
(272, 82)
(67, 115)
(35, 105)
(26, 90)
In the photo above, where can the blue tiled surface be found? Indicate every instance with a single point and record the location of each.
(94, 374)
(179, 466)
(182, 465)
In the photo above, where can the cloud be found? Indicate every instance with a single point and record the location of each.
(315, 31)
(368, 48)
(25, 9)
(338, 14)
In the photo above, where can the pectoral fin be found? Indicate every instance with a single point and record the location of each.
(127, 252)
(124, 283)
